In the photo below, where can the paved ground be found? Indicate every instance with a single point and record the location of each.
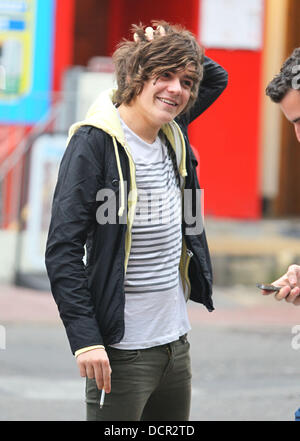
(244, 365)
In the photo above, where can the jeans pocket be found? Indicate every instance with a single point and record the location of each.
(122, 355)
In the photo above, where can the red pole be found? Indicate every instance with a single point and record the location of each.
(63, 40)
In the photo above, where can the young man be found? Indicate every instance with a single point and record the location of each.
(125, 309)
(284, 89)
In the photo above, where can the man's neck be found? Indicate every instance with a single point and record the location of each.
(138, 124)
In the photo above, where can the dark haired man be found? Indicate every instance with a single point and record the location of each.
(125, 310)
(285, 90)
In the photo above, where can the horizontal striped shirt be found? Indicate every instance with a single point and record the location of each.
(155, 308)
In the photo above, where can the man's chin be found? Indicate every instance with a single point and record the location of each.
(167, 117)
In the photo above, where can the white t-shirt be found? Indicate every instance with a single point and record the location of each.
(155, 307)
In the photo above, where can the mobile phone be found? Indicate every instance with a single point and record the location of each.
(267, 287)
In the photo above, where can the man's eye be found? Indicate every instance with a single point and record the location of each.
(187, 83)
(166, 74)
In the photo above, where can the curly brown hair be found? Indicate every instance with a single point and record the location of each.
(138, 61)
(283, 82)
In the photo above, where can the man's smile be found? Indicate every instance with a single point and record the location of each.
(167, 101)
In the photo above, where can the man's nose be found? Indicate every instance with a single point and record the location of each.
(174, 85)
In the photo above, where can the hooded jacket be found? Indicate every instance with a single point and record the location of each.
(90, 294)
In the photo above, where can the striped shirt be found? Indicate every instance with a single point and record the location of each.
(155, 308)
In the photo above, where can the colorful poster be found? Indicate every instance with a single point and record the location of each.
(17, 22)
(26, 34)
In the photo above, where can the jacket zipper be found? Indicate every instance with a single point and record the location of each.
(189, 255)
(129, 225)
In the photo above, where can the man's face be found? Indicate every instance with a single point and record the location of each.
(164, 97)
(290, 105)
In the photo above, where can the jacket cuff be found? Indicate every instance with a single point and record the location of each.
(88, 348)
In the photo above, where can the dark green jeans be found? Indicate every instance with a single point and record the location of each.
(146, 385)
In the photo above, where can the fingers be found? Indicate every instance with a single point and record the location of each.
(90, 370)
(293, 275)
(82, 369)
(283, 293)
(282, 282)
(102, 376)
(95, 364)
(106, 375)
(150, 33)
(291, 285)
(290, 295)
(161, 30)
(293, 296)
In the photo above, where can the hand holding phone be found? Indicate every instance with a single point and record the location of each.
(266, 287)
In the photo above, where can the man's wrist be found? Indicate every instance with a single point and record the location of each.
(88, 348)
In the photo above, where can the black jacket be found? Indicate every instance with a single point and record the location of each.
(90, 296)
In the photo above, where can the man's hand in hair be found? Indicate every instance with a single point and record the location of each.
(149, 33)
